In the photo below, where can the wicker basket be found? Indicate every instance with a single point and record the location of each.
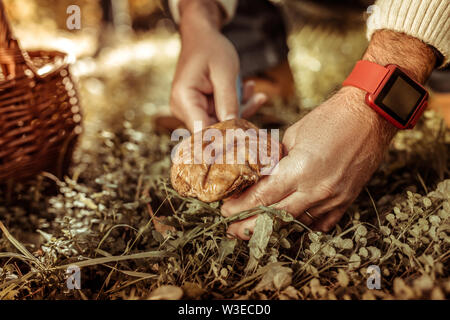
(40, 116)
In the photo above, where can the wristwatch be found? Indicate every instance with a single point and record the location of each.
(391, 92)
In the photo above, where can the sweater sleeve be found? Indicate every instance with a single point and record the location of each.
(229, 7)
(427, 20)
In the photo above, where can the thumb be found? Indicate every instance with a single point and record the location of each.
(225, 95)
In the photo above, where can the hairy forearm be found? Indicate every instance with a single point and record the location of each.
(205, 13)
(389, 47)
(411, 54)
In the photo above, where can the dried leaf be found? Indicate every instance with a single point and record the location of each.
(343, 278)
(166, 293)
(276, 278)
(192, 290)
(354, 261)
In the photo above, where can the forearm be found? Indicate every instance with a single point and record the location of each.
(204, 13)
(411, 54)
(389, 47)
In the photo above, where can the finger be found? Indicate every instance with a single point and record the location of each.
(329, 220)
(197, 119)
(243, 229)
(190, 105)
(271, 189)
(225, 95)
(253, 104)
(323, 207)
(296, 204)
(249, 90)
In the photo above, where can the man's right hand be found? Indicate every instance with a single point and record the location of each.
(204, 87)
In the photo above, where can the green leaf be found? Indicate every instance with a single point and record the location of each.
(226, 248)
(259, 240)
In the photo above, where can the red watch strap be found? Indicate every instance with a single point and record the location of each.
(366, 75)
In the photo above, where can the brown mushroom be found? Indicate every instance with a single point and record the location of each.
(226, 160)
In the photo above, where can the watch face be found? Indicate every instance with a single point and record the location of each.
(400, 96)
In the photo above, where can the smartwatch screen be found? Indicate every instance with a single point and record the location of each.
(400, 97)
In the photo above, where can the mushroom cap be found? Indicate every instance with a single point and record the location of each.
(215, 164)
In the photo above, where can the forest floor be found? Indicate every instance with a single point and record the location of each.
(118, 219)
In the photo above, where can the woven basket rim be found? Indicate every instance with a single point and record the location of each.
(35, 53)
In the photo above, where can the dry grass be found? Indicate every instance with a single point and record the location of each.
(111, 215)
(101, 220)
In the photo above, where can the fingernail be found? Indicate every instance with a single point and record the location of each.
(230, 117)
(250, 83)
(260, 98)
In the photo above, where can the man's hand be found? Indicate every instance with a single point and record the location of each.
(331, 154)
(204, 87)
(334, 150)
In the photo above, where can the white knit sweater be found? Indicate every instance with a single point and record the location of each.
(427, 20)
